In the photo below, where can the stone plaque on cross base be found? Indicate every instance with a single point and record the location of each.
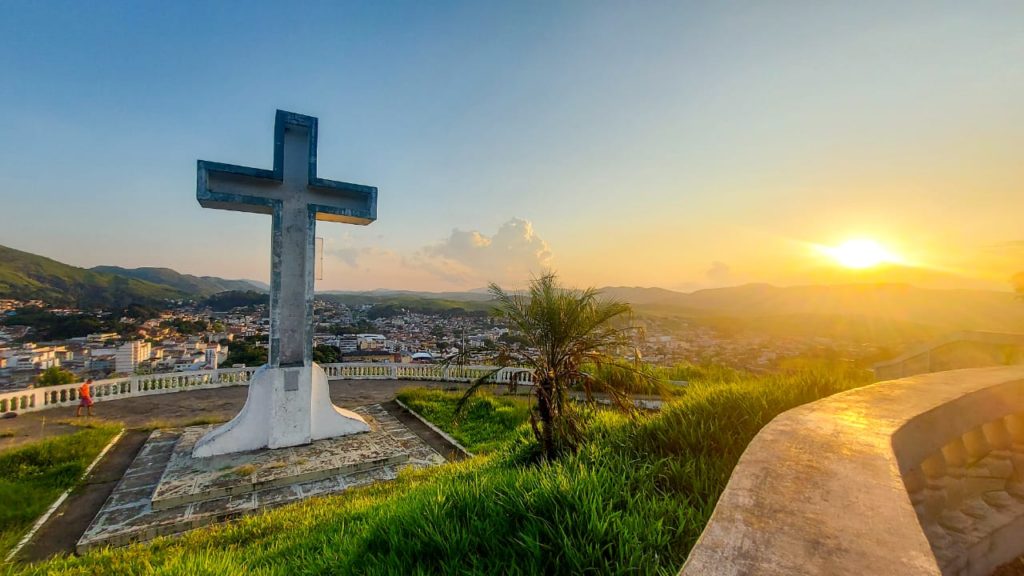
(289, 400)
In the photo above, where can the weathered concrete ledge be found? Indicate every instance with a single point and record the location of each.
(923, 475)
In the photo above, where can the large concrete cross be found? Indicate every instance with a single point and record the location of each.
(288, 401)
(295, 198)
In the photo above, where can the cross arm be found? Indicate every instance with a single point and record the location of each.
(334, 201)
(231, 187)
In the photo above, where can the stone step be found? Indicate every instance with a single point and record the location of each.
(134, 524)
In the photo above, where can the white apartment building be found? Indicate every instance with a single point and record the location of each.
(345, 342)
(32, 357)
(130, 354)
(212, 360)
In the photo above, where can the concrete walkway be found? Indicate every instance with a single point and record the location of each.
(60, 533)
(184, 408)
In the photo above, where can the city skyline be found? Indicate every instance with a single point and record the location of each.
(664, 145)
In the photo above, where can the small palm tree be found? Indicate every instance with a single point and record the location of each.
(565, 331)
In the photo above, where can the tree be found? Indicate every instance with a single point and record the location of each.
(54, 376)
(564, 330)
(512, 339)
(326, 354)
(246, 352)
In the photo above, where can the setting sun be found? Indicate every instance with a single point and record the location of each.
(860, 254)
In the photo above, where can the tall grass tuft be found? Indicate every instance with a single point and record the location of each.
(485, 424)
(631, 377)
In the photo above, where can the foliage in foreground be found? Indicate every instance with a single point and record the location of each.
(485, 424)
(565, 329)
(31, 477)
(633, 499)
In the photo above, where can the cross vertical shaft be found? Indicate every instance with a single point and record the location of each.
(292, 253)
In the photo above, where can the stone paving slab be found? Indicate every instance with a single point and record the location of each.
(129, 515)
(186, 479)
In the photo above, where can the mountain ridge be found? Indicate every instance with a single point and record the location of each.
(27, 276)
(198, 285)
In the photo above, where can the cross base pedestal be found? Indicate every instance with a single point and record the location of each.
(285, 407)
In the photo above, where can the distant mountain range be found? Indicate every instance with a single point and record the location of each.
(187, 283)
(378, 294)
(25, 276)
(869, 312)
(954, 309)
(860, 312)
(873, 312)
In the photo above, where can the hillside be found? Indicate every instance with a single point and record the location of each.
(859, 312)
(374, 296)
(26, 276)
(392, 303)
(195, 285)
(897, 303)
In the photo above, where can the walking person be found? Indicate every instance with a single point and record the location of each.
(85, 397)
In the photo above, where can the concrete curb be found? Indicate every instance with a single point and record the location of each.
(60, 500)
(430, 425)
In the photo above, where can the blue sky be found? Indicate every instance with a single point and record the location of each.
(671, 144)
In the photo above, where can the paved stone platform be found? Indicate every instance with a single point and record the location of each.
(194, 494)
(187, 479)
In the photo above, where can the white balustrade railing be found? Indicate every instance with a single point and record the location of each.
(432, 372)
(33, 399)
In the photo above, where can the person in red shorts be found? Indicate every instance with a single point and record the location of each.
(85, 398)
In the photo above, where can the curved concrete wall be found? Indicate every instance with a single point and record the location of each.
(922, 475)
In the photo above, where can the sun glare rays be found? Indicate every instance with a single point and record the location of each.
(860, 254)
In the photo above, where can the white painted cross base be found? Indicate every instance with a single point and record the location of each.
(285, 407)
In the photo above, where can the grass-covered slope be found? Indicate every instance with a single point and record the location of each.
(187, 283)
(31, 477)
(487, 423)
(633, 500)
(25, 276)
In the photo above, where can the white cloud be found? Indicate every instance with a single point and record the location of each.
(358, 257)
(463, 260)
(470, 257)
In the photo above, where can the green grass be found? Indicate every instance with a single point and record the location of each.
(158, 423)
(486, 423)
(628, 377)
(701, 373)
(633, 500)
(33, 476)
